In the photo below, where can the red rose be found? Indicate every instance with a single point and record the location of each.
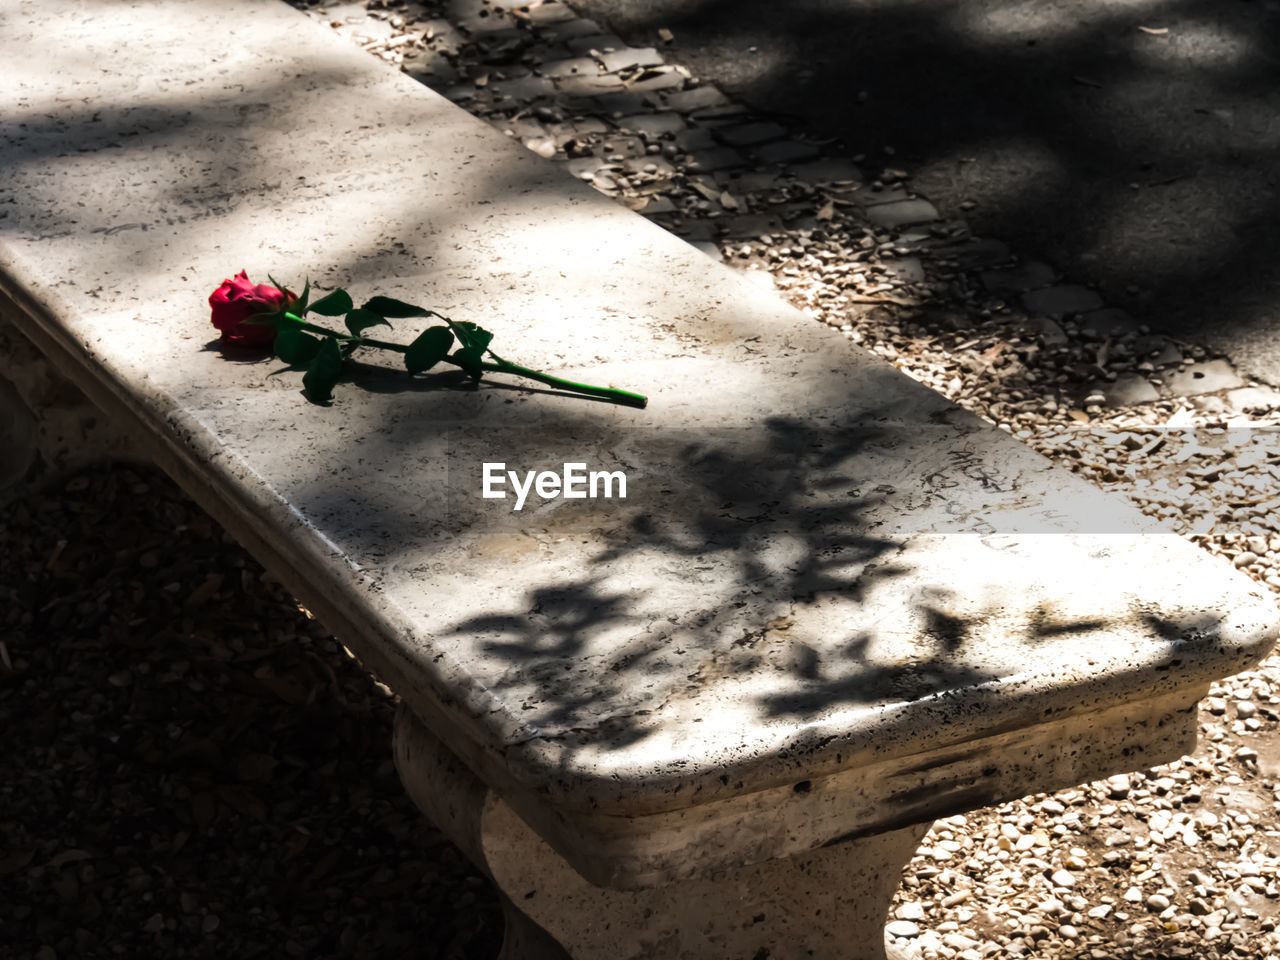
(238, 299)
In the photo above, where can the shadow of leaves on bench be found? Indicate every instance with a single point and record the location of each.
(801, 592)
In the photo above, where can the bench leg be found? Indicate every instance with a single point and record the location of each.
(830, 903)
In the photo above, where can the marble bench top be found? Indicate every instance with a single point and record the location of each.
(819, 564)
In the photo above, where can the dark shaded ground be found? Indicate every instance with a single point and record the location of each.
(192, 766)
(1140, 160)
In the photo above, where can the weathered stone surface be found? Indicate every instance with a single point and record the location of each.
(1026, 276)
(1129, 389)
(652, 125)
(697, 98)
(1062, 300)
(1207, 377)
(827, 170)
(900, 213)
(627, 57)
(828, 589)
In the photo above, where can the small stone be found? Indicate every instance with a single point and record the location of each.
(1133, 894)
(121, 678)
(1246, 559)
(1061, 878)
(902, 928)
(1068, 932)
(1157, 902)
(1118, 786)
(911, 910)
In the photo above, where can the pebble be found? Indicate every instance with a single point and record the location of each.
(902, 928)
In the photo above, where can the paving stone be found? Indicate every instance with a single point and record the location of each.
(906, 270)
(462, 92)
(653, 125)
(725, 112)
(466, 9)
(614, 102)
(500, 42)
(584, 126)
(549, 12)
(582, 46)
(477, 27)
(577, 86)
(697, 98)
(694, 139)
(901, 213)
(749, 181)
(1127, 390)
(1061, 300)
(749, 226)
(522, 88)
(573, 67)
(566, 30)
(1207, 377)
(746, 134)
(1171, 353)
(784, 151)
(1026, 276)
(1050, 333)
(624, 58)
(1108, 322)
(977, 252)
(1245, 399)
(655, 79)
(717, 158)
(874, 197)
(827, 170)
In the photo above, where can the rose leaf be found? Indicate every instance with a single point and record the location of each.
(323, 372)
(471, 336)
(333, 305)
(360, 319)
(468, 358)
(388, 307)
(295, 347)
(431, 346)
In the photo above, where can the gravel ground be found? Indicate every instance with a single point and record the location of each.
(198, 769)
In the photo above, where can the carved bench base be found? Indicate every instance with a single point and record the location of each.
(830, 903)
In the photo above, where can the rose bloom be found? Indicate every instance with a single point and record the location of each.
(238, 299)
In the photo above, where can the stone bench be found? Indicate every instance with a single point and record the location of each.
(710, 719)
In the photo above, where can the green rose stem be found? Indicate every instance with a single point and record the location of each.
(623, 397)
